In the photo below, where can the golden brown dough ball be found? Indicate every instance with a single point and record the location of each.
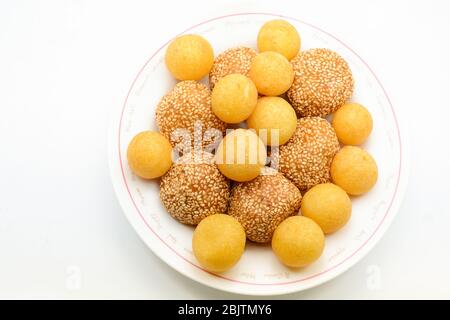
(354, 170)
(234, 60)
(328, 205)
(272, 73)
(323, 82)
(218, 242)
(241, 155)
(194, 188)
(306, 158)
(298, 241)
(352, 123)
(189, 57)
(188, 103)
(276, 116)
(262, 203)
(149, 154)
(234, 98)
(279, 36)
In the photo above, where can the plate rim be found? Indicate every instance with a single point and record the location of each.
(244, 288)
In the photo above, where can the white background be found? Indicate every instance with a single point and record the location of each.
(66, 66)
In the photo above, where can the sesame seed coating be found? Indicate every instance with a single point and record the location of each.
(234, 60)
(186, 103)
(261, 204)
(306, 158)
(322, 83)
(194, 188)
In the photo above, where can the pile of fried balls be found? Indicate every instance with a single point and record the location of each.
(275, 100)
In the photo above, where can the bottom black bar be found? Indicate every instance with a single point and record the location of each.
(226, 309)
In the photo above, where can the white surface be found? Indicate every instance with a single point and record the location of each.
(258, 272)
(65, 65)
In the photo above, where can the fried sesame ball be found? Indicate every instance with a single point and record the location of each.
(234, 60)
(187, 103)
(262, 204)
(322, 83)
(272, 73)
(352, 123)
(234, 98)
(194, 188)
(298, 241)
(189, 57)
(279, 36)
(218, 242)
(149, 154)
(276, 117)
(328, 205)
(306, 158)
(241, 155)
(354, 170)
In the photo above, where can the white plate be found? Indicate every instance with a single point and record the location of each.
(258, 272)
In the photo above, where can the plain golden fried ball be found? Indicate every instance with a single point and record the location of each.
(279, 36)
(323, 82)
(298, 241)
(234, 60)
(241, 155)
(273, 116)
(194, 188)
(261, 204)
(352, 123)
(328, 205)
(234, 98)
(189, 57)
(354, 170)
(272, 73)
(188, 103)
(306, 158)
(149, 154)
(218, 242)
